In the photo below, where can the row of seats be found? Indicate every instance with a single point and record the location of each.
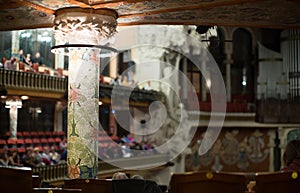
(26, 182)
(21, 144)
(37, 134)
(51, 134)
(228, 182)
(21, 179)
(193, 182)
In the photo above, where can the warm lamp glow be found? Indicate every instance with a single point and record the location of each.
(13, 103)
(24, 97)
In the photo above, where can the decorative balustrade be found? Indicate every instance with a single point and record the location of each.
(56, 174)
(32, 81)
(52, 173)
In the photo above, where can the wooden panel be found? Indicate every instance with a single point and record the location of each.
(14, 180)
(277, 182)
(89, 185)
(55, 190)
(207, 181)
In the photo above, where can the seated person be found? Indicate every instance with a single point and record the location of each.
(119, 176)
(291, 156)
(10, 64)
(4, 158)
(14, 158)
(37, 59)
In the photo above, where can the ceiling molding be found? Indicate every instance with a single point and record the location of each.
(280, 14)
(204, 5)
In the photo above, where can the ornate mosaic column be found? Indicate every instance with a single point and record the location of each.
(82, 31)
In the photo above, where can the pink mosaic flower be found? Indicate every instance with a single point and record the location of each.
(74, 95)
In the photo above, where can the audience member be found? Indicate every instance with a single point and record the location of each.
(54, 156)
(137, 176)
(128, 139)
(37, 59)
(37, 157)
(21, 56)
(10, 64)
(28, 59)
(27, 159)
(46, 156)
(3, 159)
(63, 148)
(14, 158)
(119, 176)
(63, 144)
(291, 156)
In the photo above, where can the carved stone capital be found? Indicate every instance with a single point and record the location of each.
(88, 26)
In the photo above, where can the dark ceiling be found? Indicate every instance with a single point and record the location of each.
(26, 14)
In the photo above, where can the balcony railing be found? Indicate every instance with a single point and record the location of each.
(37, 84)
(56, 174)
(32, 81)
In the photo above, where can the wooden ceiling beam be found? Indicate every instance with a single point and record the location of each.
(37, 7)
(9, 5)
(100, 3)
(187, 8)
(79, 3)
(225, 24)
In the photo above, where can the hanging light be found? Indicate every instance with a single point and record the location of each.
(3, 92)
(24, 97)
(9, 103)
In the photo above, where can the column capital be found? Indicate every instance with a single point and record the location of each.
(85, 25)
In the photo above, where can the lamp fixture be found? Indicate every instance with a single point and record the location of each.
(3, 92)
(15, 102)
(24, 97)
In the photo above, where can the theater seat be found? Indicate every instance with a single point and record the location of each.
(89, 185)
(277, 182)
(135, 186)
(12, 143)
(26, 134)
(2, 143)
(15, 180)
(41, 134)
(21, 150)
(28, 142)
(20, 143)
(208, 181)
